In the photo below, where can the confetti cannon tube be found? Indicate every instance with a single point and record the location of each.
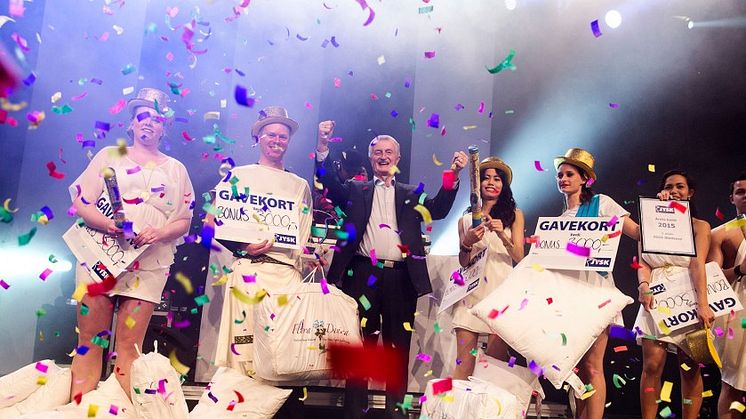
(474, 183)
(112, 188)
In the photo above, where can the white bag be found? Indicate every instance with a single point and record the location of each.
(108, 399)
(156, 389)
(472, 399)
(259, 400)
(551, 317)
(516, 380)
(53, 393)
(293, 327)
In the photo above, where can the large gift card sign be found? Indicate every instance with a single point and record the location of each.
(579, 243)
(101, 253)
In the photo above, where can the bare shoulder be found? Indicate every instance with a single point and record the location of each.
(701, 225)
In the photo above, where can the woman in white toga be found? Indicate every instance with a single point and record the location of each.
(158, 198)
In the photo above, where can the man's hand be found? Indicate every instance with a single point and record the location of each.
(256, 249)
(459, 161)
(326, 128)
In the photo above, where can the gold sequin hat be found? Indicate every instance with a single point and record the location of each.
(273, 115)
(148, 97)
(579, 158)
(496, 163)
(701, 348)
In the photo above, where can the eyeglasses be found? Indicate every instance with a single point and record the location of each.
(273, 136)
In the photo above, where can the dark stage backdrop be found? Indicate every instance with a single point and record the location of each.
(651, 92)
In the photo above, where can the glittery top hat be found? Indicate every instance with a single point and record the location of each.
(273, 115)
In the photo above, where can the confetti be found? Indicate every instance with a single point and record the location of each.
(43, 276)
(433, 121)
(429, 54)
(677, 206)
(666, 412)
(4, 284)
(442, 386)
(719, 215)
(425, 213)
(666, 391)
(130, 322)
(578, 250)
(736, 405)
(201, 299)
(596, 30)
(506, 63)
(185, 282)
(242, 97)
(537, 166)
(52, 168)
(621, 348)
(364, 302)
(651, 168)
(407, 327)
(178, 366)
(305, 395)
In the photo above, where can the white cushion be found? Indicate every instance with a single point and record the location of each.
(55, 392)
(535, 327)
(19, 384)
(260, 400)
(469, 399)
(517, 380)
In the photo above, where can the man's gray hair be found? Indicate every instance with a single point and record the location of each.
(378, 138)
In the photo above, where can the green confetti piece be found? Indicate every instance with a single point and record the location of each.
(201, 299)
(62, 110)
(425, 9)
(52, 259)
(24, 239)
(210, 209)
(506, 63)
(5, 216)
(412, 123)
(306, 209)
(41, 312)
(388, 95)
(82, 81)
(339, 212)
(233, 180)
(129, 68)
(342, 235)
(423, 196)
(564, 339)
(227, 270)
(436, 327)
(349, 272)
(194, 310)
(364, 302)
(318, 232)
(743, 322)
(99, 341)
(618, 381)
(588, 387)
(84, 310)
(686, 401)
(57, 333)
(137, 390)
(207, 197)
(666, 412)
(214, 268)
(379, 265)
(266, 328)
(80, 222)
(473, 352)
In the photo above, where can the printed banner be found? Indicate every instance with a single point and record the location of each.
(472, 275)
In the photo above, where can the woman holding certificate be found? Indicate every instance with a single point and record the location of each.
(157, 200)
(501, 233)
(575, 175)
(656, 269)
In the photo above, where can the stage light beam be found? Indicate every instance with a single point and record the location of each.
(613, 19)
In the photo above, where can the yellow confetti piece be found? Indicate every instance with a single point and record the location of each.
(211, 115)
(587, 394)
(468, 127)
(242, 297)
(736, 223)
(449, 398)
(312, 348)
(428, 373)
(736, 405)
(92, 409)
(436, 161)
(664, 310)
(41, 380)
(80, 290)
(121, 147)
(56, 96)
(425, 213)
(185, 282)
(282, 300)
(664, 329)
(223, 279)
(707, 393)
(178, 366)
(305, 395)
(130, 322)
(605, 238)
(408, 327)
(537, 267)
(666, 391)
(651, 168)
(685, 367)
(394, 170)
(363, 321)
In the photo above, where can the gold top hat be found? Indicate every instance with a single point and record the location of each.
(701, 348)
(273, 115)
(147, 97)
(579, 158)
(496, 163)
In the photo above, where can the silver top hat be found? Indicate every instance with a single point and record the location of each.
(273, 115)
(148, 97)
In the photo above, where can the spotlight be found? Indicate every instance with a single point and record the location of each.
(510, 4)
(613, 19)
(690, 24)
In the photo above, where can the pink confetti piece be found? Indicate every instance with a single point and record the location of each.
(42, 368)
(424, 357)
(384, 226)
(133, 170)
(493, 314)
(233, 349)
(133, 201)
(4, 284)
(442, 386)
(719, 215)
(602, 305)
(20, 41)
(324, 286)
(45, 274)
(15, 8)
(612, 222)
(52, 168)
(113, 410)
(596, 30)
(481, 107)
(719, 332)
(337, 82)
(449, 180)
(250, 279)
(429, 54)
(614, 105)
(457, 278)
(730, 333)
(524, 303)
(578, 250)
(373, 258)
(590, 182)
(677, 206)
(79, 97)
(537, 166)
(117, 107)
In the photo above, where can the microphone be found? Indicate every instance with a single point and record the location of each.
(115, 198)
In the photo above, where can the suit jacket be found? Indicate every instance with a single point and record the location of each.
(355, 198)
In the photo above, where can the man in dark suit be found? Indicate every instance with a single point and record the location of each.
(382, 264)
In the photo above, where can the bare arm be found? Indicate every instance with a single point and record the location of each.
(631, 229)
(93, 218)
(697, 270)
(517, 250)
(643, 279)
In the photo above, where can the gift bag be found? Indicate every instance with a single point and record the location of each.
(294, 326)
(468, 399)
(516, 380)
(156, 389)
(231, 394)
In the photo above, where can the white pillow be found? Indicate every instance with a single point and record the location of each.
(109, 397)
(517, 380)
(554, 335)
(469, 399)
(260, 400)
(159, 393)
(19, 384)
(55, 392)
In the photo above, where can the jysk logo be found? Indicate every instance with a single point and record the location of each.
(284, 238)
(664, 209)
(657, 288)
(598, 263)
(101, 271)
